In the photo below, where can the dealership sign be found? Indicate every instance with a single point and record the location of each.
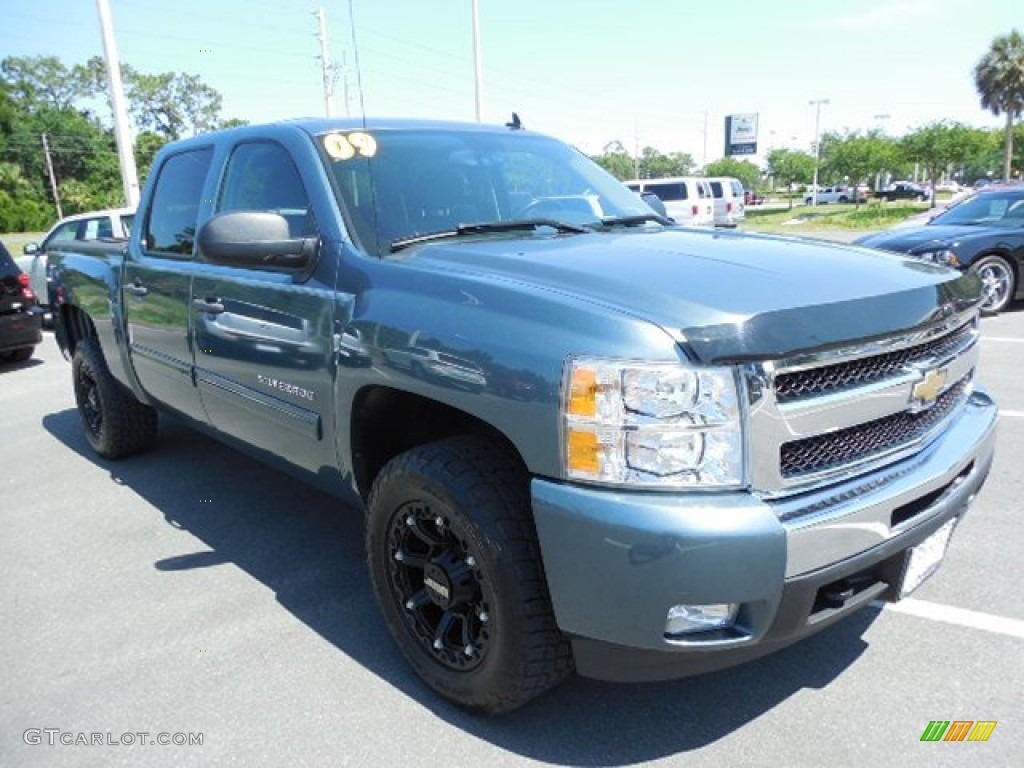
(741, 134)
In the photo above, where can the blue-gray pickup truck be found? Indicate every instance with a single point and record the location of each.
(584, 438)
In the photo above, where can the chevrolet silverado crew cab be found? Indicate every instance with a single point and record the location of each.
(584, 439)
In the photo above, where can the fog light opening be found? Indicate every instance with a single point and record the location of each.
(689, 619)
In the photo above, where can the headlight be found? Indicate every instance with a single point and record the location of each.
(942, 256)
(651, 424)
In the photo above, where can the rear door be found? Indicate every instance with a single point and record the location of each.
(264, 358)
(158, 283)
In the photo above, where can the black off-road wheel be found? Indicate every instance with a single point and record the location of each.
(115, 423)
(456, 568)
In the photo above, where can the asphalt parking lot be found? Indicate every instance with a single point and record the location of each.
(192, 591)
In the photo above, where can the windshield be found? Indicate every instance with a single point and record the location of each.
(1005, 209)
(400, 184)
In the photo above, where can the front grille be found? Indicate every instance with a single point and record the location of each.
(855, 444)
(835, 378)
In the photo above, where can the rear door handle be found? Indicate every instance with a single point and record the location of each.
(210, 306)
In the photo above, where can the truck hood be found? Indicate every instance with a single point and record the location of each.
(916, 239)
(726, 297)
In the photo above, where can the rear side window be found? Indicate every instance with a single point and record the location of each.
(737, 188)
(171, 228)
(667, 192)
(716, 188)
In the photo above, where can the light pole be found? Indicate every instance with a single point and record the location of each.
(816, 103)
(478, 66)
(880, 127)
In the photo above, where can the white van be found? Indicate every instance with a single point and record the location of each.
(687, 199)
(729, 205)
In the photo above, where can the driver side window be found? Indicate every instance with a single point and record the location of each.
(261, 176)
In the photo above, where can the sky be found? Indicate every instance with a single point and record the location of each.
(661, 73)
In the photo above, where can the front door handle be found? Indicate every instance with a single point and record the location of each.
(210, 306)
(137, 289)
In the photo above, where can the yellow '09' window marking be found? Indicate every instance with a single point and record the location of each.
(345, 146)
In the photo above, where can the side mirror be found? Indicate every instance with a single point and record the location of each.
(254, 239)
(30, 249)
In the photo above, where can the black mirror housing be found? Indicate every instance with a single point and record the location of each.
(257, 239)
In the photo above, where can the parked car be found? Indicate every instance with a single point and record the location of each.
(983, 234)
(107, 225)
(841, 193)
(729, 200)
(21, 320)
(903, 190)
(750, 197)
(688, 199)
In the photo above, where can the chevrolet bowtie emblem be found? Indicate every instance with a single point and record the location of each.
(926, 391)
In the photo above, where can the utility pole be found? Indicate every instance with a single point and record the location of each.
(477, 61)
(125, 145)
(53, 179)
(816, 103)
(325, 62)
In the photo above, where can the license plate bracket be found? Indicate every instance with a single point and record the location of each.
(924, 559)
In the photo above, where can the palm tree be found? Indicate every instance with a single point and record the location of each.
(999, 78)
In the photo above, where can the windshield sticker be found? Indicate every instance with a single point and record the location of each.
(342, 146)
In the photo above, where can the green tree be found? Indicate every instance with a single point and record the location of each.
(40, 82)
(857, 158)
(938, 146)
(171, 104)
(999, 78)
(617, 161)
(147, 144)
(744, 170)
(790, 167)
(656, 165)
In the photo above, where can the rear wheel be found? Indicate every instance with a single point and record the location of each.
(456, 569)
(999, 280)
(115, 423)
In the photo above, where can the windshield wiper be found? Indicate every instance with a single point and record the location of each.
(632, 221)
(513, 225)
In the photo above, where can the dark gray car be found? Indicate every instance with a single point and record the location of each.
(984, 234)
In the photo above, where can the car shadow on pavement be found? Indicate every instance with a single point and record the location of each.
(307, 547)
(9, 367)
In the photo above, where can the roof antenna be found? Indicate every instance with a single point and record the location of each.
(516, 124)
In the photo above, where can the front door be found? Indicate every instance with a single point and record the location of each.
(264, 359)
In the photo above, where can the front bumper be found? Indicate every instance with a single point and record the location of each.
(616, 561)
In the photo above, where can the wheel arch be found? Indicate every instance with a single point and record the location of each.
(70, 326)
(386, 422)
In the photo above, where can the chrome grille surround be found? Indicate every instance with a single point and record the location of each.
(858, 422)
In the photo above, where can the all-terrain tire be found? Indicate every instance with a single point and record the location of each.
(455, 564)
(116, 424)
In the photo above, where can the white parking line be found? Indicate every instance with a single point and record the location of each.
(962, 617)
(1017, 414)
(1002, 338)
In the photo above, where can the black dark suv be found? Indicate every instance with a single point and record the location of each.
(21, 319)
